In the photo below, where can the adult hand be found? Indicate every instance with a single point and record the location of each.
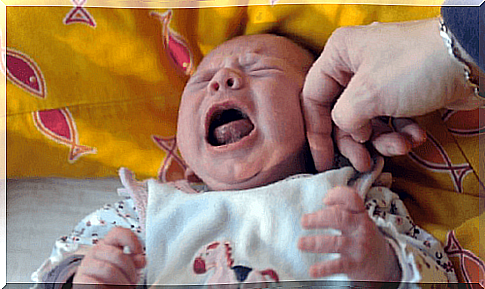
(383, 69)
(106, 264)
(365, 254)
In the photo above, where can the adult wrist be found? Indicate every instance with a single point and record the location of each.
(471, 71)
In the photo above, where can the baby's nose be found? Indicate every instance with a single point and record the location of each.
(224, 79)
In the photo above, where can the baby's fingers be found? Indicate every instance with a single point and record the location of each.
(333, 217)
(116, 258)
(345, 197)
(324, 244)
(327, 268)
(139, 260)
(121, 237)
(100, 272)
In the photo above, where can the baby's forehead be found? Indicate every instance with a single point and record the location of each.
(236, 48)
(262, 45)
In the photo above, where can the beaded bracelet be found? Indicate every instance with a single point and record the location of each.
(452, 45)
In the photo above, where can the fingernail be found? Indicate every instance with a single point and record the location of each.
(391, 150)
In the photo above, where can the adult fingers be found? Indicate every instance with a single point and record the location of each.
(324, 244)
(410, 129)
(356, 107)
(323, 84)
(356, 152)
(406, 135)
(121, 237)
(386, 141)
(318, 125)
(392, 144)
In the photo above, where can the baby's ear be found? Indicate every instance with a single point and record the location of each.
(191, 177)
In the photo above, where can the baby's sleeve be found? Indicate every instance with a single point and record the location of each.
(69, 250)
(421, 256)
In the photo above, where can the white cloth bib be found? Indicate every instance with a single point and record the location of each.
(234, 236)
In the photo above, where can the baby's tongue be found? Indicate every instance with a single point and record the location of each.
(233, 131)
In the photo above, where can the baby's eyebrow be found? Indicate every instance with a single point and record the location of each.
(243, 60)
(201, 74)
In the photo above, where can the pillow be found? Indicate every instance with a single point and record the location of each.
(93, 89)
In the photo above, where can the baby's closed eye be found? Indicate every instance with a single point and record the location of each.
(262, 70)
(199, 80)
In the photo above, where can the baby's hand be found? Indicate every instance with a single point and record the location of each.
(106, 263)
(365, 255)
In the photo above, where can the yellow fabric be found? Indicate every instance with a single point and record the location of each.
(437, 198)
(468, 234)
(112, 71)
(109, 77)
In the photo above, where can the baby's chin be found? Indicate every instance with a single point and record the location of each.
(299, 163)
(259, 180)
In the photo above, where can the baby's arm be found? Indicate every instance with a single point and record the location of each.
(365, 253)
(69, 250)
(106, 263)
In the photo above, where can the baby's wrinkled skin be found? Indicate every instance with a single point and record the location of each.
(260, 78)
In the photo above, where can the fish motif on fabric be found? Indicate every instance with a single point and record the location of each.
(22, 70)
(59, 125)
(432, 156)
(173, 167)
(79, 14)
(465, 123)
(471, 267)
(175, 44)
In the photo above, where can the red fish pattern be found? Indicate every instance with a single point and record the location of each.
(175, 44)
(24, 72)
(471, 267)
(59, 125)
(79, 15)
(172, 167)
(465, 123)
(432, 156)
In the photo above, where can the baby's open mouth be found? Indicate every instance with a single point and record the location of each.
(228, 126)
